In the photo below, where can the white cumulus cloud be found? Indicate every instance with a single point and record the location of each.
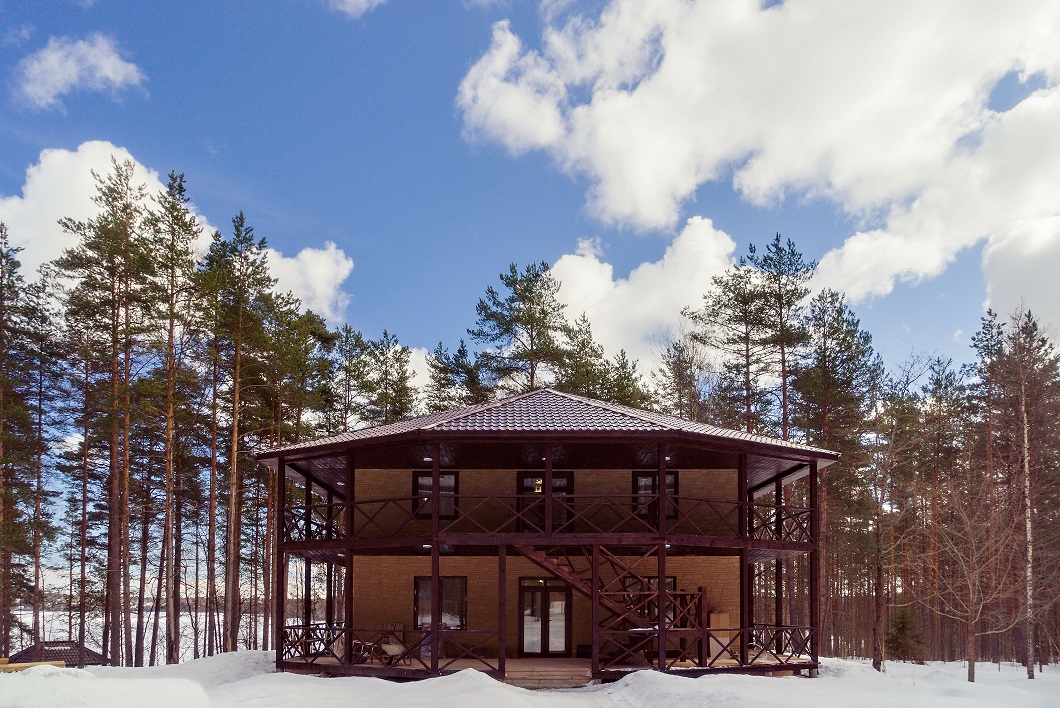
(628, 312)
(315, 276)
(66, 65)
(61, 185)
(882, 109)
(354, 8)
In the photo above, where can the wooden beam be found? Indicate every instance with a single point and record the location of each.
(502, 606)
(663, 601)
(745, 607)
(548, 489)
(778, 579)
(815, 569)
(347, 613)
(436, 579)
(280, 560)
(595, 665)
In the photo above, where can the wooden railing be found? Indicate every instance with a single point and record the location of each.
(324, 521)
(586, 514)
(313, 643)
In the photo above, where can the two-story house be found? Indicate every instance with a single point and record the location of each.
(543, 535)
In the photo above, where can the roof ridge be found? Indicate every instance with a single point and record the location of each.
(459, 413)
(607, 405)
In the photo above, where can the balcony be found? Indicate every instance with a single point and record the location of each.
(477, 518)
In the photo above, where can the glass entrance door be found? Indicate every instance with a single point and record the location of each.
(545, 609)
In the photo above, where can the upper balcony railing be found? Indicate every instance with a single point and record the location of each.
(571, 514)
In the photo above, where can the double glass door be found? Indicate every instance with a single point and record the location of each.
(545, 613)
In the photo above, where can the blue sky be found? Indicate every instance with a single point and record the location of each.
(432, 143)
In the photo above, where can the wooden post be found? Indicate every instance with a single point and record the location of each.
(663, 591)
(436, 608)
(502, 606)
(745, 607)
(746, 610)
(436, 579)
(280, 589)
(704, 629)
(307, 580)
(778, 579)
(347, 612)
(663, 602)
(595, 666)
(815, 570)
(548, 490)
(329, 569)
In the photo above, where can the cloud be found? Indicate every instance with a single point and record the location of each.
(315, 276)
(627, 313)
(354, 8)
(17, 36)
(881, 109)
(61, 185)
(66, 65)
(1021, 269)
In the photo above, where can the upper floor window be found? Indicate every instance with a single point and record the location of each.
(645, 489)
(447, 487)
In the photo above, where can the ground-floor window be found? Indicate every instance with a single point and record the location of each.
(454, 602)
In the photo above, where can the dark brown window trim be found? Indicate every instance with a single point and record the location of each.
(643, 510)
(426, 578)
(423, 501)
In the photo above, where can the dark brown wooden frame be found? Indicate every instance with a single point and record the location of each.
(568, 630)
(416, 598)
(417, 475)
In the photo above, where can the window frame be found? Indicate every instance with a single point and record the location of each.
(646, 510)
(441, 584)
(422, 501)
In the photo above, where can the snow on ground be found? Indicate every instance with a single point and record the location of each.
(246, 679)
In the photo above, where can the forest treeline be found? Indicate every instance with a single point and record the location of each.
(142, 369)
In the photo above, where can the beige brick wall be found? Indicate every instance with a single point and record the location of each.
(383, 589)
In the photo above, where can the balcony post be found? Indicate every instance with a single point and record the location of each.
(663, 590)
(741, 483)
(663, 495)
(595, 668)
(502, 606)
(347, 611)
(815, 569)
(778, 580)
(436, 576)
(548, 489)
(663, 603)
(280, 587)
(307, 579)
(746, 579)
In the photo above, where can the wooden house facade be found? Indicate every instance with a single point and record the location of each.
(546, 527)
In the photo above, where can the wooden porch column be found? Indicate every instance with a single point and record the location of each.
(746, 611)
(548, 489)
(280, 587)
(436, 578)
(778, 565)
(595, 666)
(815, 569)
(329, 569)
(663, 590)
(502, 606)
(307, 594)
(347, 610)
(664, 601)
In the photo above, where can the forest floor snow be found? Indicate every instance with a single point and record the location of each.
(247, 679)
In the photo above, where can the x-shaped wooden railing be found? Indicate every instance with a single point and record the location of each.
(469, 644)
(309, 643)
(324, 521)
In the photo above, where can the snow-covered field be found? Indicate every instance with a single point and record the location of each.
(247, 679)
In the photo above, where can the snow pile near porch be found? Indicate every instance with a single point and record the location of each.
(244, 679)
(52, 687)
(208, 672)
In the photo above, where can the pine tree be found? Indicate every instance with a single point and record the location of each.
(583, 369)
(389, 393)
(523, 328)
(456, 380)
(733, 321)
(112, 266)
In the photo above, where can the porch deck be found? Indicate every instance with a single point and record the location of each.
(556, 673)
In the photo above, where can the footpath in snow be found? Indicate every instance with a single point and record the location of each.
(247, 679)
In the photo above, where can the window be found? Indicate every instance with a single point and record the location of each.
(644, 488)
(421, 489)
(531, 487)
(454, 602)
